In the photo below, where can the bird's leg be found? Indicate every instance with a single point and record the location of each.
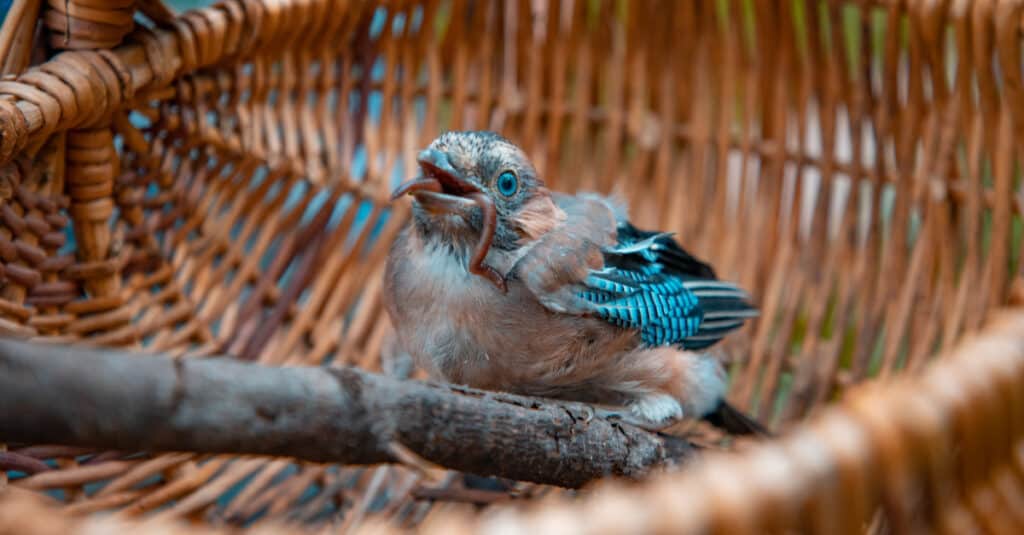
(654, 411)
(588, 413)
(476, 264)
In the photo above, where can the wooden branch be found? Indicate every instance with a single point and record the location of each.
(118, 400)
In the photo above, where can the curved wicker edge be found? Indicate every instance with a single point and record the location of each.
(26, 512)
(46, 99)
(81, 88)
(945, 461)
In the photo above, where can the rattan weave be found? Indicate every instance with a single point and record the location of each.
(224, 176)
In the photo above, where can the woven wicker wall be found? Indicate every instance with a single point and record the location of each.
(218, 182)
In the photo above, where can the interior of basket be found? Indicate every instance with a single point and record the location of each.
(849, 169)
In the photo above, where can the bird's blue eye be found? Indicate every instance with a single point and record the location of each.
(508, 184)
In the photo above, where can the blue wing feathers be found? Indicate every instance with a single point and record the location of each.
(649, 283)
(667, 250)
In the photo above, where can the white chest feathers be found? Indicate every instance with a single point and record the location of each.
(439, 305)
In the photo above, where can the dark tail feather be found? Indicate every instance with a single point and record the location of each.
(733, 421)
(725, 309)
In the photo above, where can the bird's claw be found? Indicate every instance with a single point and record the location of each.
(650, 414)
(588, 413)
(610, 414)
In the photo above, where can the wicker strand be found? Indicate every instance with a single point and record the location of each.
(85, 25)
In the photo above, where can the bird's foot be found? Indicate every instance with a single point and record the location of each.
(588, 413)
(652, 412)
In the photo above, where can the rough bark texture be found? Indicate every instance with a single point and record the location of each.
(119, 400)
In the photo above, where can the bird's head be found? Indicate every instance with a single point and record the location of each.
(460, 167)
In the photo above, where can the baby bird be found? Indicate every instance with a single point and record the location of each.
(501, 284)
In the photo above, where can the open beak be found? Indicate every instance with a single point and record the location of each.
(440, 189)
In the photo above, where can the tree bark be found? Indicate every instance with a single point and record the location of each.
(124, 401)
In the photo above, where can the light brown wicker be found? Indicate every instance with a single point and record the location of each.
(854, 164)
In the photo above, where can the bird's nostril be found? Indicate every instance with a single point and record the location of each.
(436, 160)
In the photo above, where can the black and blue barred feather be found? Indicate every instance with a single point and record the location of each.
(651, 284)
(665, 251)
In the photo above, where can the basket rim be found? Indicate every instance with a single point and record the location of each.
(931, 406)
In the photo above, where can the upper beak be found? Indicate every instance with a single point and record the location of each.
(441, 187)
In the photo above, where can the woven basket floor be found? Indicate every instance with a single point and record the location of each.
(218, 181)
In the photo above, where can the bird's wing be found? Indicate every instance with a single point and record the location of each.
(634, 279)
(665, 251)
(649, 286)
(556, 262)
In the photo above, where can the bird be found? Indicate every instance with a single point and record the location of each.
(500, 283)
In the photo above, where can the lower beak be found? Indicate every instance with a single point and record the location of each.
(416, 185)
(440, 203)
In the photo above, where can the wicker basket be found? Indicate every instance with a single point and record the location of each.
(851, 163)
